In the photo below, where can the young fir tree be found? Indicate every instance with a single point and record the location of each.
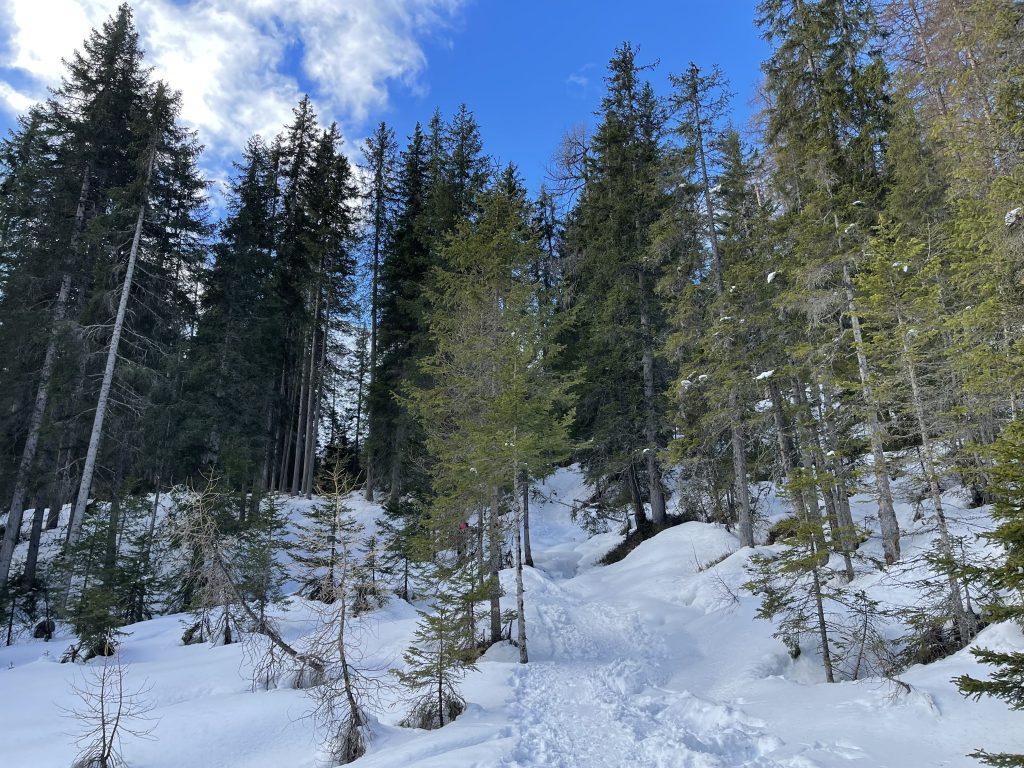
(328, 525)
(439, 656)
(341, 692)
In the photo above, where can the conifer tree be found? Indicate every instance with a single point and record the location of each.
(439, 657)
(230, 382)
(1006, 679)
(379, 153)
(619, 321)
(826, 131)
(496, 412)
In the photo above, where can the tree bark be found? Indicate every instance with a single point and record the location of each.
(32, 557)
(527, 552)
(886, 512)
(520, 611)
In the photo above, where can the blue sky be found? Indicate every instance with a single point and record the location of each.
(532, 69)
(529, 69)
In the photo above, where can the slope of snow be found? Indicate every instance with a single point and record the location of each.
(653, 661)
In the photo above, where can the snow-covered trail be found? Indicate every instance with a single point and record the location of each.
(598, 691)
(592, 695)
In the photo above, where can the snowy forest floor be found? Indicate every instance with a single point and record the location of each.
(655, 661)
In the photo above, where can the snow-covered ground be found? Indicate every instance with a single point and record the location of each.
(654, 661)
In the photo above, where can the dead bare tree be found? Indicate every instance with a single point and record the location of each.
(197, 529)
(107, 713)
(345, 687)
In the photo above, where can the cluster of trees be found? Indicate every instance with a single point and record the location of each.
(831, 305)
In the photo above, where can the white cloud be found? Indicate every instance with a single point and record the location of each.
(13, 100)
(232, 59)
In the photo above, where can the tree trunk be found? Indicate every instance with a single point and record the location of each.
(657, 493)
(639, 516)
(826, 654)
(886, 512)
(741, 483)
(527, 552)
(32, 558)
(739, 471)
(85, 486)
(494, 544)
(300, 424)
(520, 611)
(309, 451)
(35, 423)
(964, 625)
(395, 485)
(831, 489)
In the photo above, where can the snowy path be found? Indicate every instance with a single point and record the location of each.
(593, 695)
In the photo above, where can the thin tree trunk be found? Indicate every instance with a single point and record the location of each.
(35, 423)
(811, 480)
(113, 525)
(960, 617)
(518, 544)
(826, 654)
(739, 471)
(373, 352)
(395, 486)
(786, 449)
(639, 515)
(480, 524)
(300, 423)
(738, 440)
(886, 512)
(657, 493)
(842, 496)
(494, 544)
(32, 558)
(85, 486)
(527, 552)
(311, 406)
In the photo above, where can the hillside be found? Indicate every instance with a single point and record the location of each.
(656, 660)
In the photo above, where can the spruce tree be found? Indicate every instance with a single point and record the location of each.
(826, 131)
(618, 320)
(380, 155)
(90, 128)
